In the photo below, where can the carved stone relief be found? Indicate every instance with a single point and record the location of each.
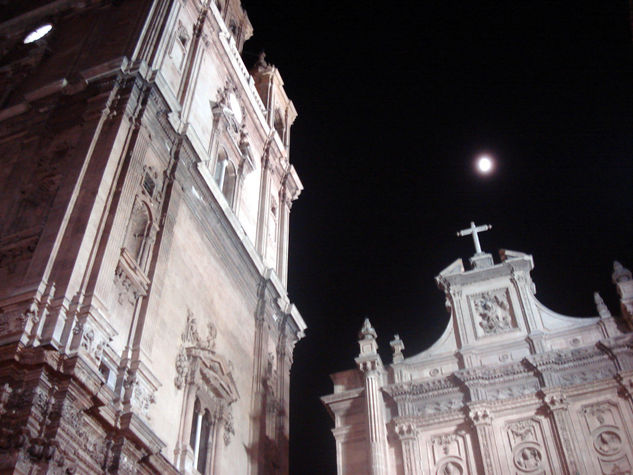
(522, 431)
(448, 453)
(607, 438)
(199, 367)
(528, 458)
(92, 341)
(495, 394)
(619, 466)
(131, 282)
(427, 408)
(493, 312)
(526, 444)
(13, 322)
(190, 338)
(17, 248)
(141, 395)
(607, 442)
(446, 444)
(39, 190)
(93, 444)
(586, 376)
(450, 467)
(599, 414)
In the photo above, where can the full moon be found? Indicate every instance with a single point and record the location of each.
(484, 165)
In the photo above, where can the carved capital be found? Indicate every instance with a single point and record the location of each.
(369, 366)
(555, 401)
(479, 416)
(406, 430)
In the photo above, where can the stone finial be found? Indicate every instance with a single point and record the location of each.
(367, 332)
(367, 342)
(602, 308)
(397, 345)
(624, 285)
(261, 59)
(261, 65)
(620, 273)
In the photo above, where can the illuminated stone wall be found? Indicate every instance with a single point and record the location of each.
(510, 387)
(146, 191)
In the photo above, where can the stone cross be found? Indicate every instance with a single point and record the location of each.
(474, 230)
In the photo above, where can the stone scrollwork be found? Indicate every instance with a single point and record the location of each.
(142, 398)
(200, 368)
(522, 431)
(444, 442)
(494, 311)
(229, 428)
(182, 364)
(191, 338)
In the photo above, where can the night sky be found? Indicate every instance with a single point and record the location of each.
(394, 104)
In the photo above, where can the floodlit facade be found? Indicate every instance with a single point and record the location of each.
(145, 325)
(511, 387)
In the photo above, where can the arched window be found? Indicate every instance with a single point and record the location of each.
(199, 438)
(207, 423)
(138, 230)
(225, 176)
(228, 186)
(279, 125)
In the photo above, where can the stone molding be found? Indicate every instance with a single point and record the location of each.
(199, 366)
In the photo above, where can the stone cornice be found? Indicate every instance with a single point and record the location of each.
(492, 374)
(429, 388)
(566, 359)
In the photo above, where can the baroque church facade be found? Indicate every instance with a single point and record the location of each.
(511, 387)
(145, 325)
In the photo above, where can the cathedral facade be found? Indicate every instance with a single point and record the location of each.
(145, 325)
(511, 387)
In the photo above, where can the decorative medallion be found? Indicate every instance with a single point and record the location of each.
(450, 467)
(528, 458)
(608, 442)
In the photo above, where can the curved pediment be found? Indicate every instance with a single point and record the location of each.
(199, 364)
(211, 372)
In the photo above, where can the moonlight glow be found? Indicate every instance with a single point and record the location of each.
(484, 165)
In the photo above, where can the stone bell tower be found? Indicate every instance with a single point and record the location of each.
(145, 325)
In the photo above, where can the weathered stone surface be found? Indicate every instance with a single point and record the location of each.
(146, 191)
(510, 387)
